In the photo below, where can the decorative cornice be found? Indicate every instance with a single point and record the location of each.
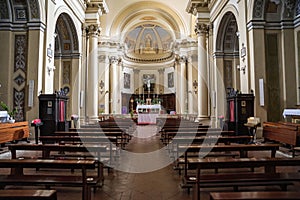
(196, 6)
(156, 59)
(99, 4)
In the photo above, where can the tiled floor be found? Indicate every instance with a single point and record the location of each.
(160, 184)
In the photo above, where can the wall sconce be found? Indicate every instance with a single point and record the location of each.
(241, 68)
(101, 85)
(195, 85)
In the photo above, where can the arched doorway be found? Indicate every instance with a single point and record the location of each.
(66, 57)
(227, 50)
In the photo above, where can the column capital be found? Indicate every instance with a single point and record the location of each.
(182, 59)
(93, 29)
(136, 71)
(115, 60)
(161, 70)
(201, 28)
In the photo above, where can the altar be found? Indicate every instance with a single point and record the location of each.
(147, 114)
(294, 114)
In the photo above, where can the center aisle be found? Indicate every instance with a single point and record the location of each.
(160, 184)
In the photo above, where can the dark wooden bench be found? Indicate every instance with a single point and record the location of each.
(17, 177)
(126, 137)
(237, 179)
(20, 194)
(85, 141)
(258, 195)
(245, 139)
(241, 148)
(166, 137)
(63, 152)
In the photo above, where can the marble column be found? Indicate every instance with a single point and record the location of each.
(183, 85)
(106, 85)
(92, 72)
(201, 31)
(190, 89)
(114, 61)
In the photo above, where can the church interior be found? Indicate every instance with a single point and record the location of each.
(151, 99)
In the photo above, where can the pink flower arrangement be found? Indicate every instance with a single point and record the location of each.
(36, 122)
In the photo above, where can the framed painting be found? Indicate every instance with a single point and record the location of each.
(126, 80)
(170, 79)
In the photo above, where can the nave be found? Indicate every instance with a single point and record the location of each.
(161, 184)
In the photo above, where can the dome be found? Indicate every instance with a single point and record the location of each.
(148, 43)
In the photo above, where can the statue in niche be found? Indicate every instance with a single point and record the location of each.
(149, 44)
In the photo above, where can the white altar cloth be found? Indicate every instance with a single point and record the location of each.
(147, 118)
(291, 112)
(155, 107)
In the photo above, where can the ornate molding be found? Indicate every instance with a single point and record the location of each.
(289, 7)
(182, 59)
(115, 60)
(34, 9)
(93, 29)
(196, 6)
(98, 4)
(4, 13)
(258, 10)
(201, 28)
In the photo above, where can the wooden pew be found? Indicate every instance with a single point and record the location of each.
(20, 194)
(258, 195)
(238, 179)
(47, 149)
(241, 148)
(287, 133)
(107, 131)
(166, 137)
(207, 140)
(245, 139)
(13, 131)
(17, 177)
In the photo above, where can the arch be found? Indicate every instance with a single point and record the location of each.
(135, 13)
(227, 39)
(67, 39)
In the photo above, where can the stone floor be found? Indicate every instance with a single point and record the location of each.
(152, 182)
